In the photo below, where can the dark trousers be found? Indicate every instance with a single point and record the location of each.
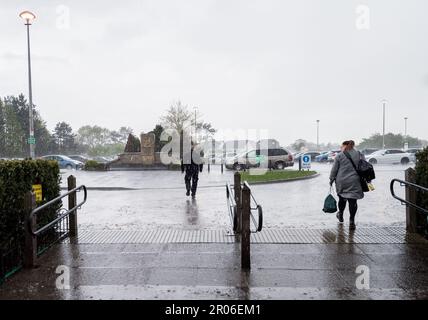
(191, 178)
(353, 206)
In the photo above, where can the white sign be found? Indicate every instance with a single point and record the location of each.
(305, 161)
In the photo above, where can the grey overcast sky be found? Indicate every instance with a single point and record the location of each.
(268, 64)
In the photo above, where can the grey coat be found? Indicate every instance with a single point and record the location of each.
(347, 180)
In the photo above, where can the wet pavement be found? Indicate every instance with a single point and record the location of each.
(159, 201)
(317, 260)
(212, 271)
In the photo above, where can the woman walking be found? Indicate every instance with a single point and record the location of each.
(348, 185)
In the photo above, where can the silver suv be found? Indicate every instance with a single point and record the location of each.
(275, 158)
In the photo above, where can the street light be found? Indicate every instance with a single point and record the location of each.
(405, 126)
(406, 140)
(383, 130)
(29, 18)
(318, 134)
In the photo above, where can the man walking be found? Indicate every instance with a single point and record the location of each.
(192, 164)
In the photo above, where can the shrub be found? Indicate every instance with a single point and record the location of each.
(422, 175)
(16, 179)
(93, 165)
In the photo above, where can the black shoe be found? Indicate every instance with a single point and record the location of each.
(352, 225)
(188, 193)
(339, 216)
(193, 196)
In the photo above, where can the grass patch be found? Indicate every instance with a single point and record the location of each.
(275, 175)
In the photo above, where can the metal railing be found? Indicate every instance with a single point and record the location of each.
(38, 239)
(259, 223)
(407, 202)
(65, 212)
(232, 208)
(241, 203)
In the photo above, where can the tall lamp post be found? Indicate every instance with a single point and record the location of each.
(383, 125)
(406, 142)
(29, 18)
(318, 135)
(405, 126)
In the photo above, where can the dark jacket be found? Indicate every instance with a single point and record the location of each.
(192, 160)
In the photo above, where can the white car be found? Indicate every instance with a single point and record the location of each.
(389, 156)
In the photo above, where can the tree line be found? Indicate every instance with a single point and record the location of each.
(14, 132)
(90, 140)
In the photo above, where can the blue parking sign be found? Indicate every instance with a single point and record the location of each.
(306, 162)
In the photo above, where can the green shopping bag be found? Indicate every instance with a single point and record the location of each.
(330, 204)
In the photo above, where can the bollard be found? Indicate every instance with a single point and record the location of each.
(412, 218)
(209, 167)
(238, 195)
(245, 234)
(72, 202)
(30, 249)
(222, 168)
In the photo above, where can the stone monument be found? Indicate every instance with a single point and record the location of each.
(143, 158)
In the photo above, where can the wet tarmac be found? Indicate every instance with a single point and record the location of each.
(212, 271)
(158, 199)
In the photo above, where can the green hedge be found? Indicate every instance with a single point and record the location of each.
(422, 175)
(16, 179)
(93, 165)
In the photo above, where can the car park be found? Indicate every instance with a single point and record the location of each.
(368, 151)
(101, 159)
(275, 158)
(323, 157)
(412, 152)
(64, 162)
(390, 156)
(80, 158)
(332, 155)
(312, 154)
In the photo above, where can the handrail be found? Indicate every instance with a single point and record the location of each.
(231, 205)
(62, 216)
(257, 224)
(404, 201)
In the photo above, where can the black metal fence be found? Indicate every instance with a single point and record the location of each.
(32, 237)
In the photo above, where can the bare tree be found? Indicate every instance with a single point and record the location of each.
(178, 117)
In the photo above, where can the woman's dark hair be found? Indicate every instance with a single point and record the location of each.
(350, 144)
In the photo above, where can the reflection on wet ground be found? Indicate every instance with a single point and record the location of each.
(160, 201)
(212, 271)
(192, 212)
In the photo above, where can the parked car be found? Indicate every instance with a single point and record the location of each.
(413, 152)
(65, 162)
(100, 159)
(312, 154)
(323, 157)
(82, 159)
(368, 151)
(277, 158)
(332, 155)
(389, 156)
